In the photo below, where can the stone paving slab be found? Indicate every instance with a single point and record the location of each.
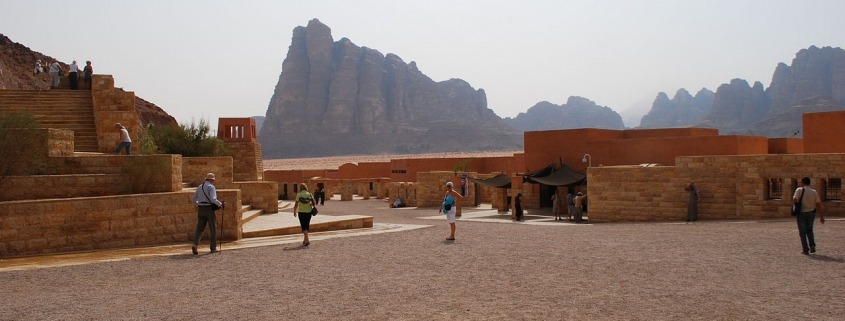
(48, 261)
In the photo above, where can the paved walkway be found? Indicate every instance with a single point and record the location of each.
(497, 269)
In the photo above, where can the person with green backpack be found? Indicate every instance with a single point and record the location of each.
(304, 206)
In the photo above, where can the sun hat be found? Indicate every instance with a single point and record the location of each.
(210, 176)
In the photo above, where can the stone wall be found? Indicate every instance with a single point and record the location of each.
(85, 224)
(194, 169)
(57, 142)
(112, 106)
(732, 187)
(405, 191)
(17, 188)
(431, 188)
(262, 195)
(146, 174)
(247, 163)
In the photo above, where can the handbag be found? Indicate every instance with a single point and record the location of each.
(796, 207)
(314, 211)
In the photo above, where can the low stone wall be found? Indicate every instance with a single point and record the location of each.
(146, 174)
(17, 188)
(732, 187)
(263, 195)
(113, 105)
(58, 142)
(84, 224)
(405, 191)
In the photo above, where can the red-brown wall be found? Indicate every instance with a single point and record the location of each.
(823, 132)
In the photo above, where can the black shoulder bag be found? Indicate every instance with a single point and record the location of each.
(796, 207)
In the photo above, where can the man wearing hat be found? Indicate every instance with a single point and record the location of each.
(205, 196)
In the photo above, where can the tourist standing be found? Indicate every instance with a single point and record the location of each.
(692, 206)
(125, 142)
(570, 204)
(73, 75)
(556, 206)
(517, 207)
(55, 68)
(810, 204)
(206, 199)
(302, 205)
(450, 208)
(88, 71)
(579, 207)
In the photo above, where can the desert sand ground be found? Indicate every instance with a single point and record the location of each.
(333, 162)
(497, 269)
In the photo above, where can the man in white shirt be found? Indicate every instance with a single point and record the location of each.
(125, 142)
(810, 203)
(204, 197)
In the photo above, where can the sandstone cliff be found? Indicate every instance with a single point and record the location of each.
(336, 98)
(683, 109)
(578, 112)
(814, 82)
(17, 62)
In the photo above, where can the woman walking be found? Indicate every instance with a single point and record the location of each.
(449, 207)
(302, 206)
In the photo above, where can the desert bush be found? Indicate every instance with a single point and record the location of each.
(20, 153)
(189, 140)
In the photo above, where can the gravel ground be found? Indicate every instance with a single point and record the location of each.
(724, 270)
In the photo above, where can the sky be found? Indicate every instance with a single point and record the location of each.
(213, 58)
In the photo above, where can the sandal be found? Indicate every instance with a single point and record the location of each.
(451, 238)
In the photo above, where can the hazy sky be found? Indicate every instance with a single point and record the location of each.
(210, 59)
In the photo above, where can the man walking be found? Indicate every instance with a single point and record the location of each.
(810, 203)
(206, 199)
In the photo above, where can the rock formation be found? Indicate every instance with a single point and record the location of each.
(17, 62)
(578, 112)
(336, 98)
(814, 82)
(683, 109)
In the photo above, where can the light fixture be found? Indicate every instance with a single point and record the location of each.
(587, 159)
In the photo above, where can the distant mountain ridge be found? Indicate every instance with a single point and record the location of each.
(577, 112)
(814, 82)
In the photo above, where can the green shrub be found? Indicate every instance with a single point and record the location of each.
(21, 148)
(191, 140)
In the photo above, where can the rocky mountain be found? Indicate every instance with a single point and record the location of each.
(17, 62)
(814, 82)
(683, 109)
(336, 98)
(577, 112)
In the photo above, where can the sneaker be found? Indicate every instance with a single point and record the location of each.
(805, 253)
(194, 249)
(812, 249)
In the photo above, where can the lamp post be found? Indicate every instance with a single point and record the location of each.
(587, 159)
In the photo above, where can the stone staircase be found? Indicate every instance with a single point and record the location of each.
(62, 109)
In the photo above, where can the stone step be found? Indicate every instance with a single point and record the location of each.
(250, 214)
(284, 223)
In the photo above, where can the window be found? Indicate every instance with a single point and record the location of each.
(398, 171)
(774, 188)
(832, 189)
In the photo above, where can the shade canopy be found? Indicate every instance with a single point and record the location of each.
(563, 176)
(501, 181)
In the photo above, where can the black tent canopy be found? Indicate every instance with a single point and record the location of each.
(563, 176)
(501, 181)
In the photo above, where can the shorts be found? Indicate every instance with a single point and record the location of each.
(450, 215)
